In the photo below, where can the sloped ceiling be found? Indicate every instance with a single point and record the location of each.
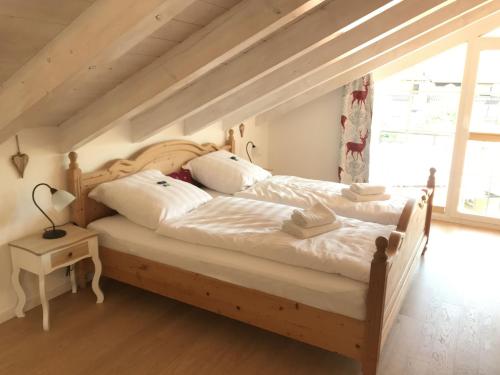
(83, 65)
(26, 26)
(37, 22)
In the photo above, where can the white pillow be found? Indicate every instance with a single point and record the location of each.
(225, 172)
(148, 197)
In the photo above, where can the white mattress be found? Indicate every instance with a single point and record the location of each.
(325, 291)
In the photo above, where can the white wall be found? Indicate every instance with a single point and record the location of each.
(304, 142)
(18, 215)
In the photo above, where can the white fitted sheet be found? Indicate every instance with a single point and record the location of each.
(325, 291)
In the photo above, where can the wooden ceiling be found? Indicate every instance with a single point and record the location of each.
(26, 26)
(85, 66)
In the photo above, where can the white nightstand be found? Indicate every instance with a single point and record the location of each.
(42, 256)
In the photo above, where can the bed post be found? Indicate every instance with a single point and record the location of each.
(74, 175)
(77, 212)
(431, 184)
(231, 142)
(375, 304)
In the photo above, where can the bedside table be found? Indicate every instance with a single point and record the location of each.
(42, 256)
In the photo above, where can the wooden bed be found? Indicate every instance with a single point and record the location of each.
(391, 270)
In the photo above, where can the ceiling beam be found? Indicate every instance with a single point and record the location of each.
(228, 35)
(102, 33)
(385, 23)
(370, 58)
(393, 61)
(411, 57)
(297, 39)
(471, 31)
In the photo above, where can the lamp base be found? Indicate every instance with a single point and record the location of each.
(53, 234)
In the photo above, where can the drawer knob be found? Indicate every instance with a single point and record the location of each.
(70, 254)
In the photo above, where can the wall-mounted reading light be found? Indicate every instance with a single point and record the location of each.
(248, 153)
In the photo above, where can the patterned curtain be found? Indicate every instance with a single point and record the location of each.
(355, 124)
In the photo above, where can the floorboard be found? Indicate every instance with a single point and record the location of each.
(449, 324)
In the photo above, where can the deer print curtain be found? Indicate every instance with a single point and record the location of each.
(355, 124)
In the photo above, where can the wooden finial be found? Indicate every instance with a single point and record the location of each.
(73, 156)
(431, 181)
(380, 254)
(231, 141)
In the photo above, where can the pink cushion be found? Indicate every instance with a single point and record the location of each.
(184, 175)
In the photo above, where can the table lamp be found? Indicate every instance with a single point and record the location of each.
(60, 200)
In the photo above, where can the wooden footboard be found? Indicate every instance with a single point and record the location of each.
(392, 268)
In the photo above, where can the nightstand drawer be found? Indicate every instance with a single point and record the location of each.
(69, 254)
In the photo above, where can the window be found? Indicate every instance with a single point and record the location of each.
(486, 105)
(416, 125)
(480, 187)
(415, 116)
(480, 192)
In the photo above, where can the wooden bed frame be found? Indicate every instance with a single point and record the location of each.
(391, 269)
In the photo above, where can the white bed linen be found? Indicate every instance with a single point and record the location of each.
(148, 196)
(304, 193)
(225, 172)
(328, 292)
(215, 194)
(254, 227)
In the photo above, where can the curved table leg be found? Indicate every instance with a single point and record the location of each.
(21, 296)
(45, 303)
(97, 275)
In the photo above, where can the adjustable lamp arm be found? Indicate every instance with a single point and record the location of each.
(248, 153)
(52, 190)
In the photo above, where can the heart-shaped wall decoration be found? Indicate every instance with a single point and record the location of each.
(20, 160)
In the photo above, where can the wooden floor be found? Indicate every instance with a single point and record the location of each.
(450, 324)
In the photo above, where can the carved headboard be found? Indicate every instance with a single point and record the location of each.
(168, 157)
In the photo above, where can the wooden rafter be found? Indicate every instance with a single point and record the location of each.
(296, 40)
(231, 33)
(328, 57)
(419, 49)
(106, 30)
(376, 55)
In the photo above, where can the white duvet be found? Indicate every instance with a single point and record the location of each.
(304, 193)
(253, 227)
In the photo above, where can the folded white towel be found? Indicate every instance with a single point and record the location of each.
(355, 197)
(367, 189)
(297, 231)
(317, 215)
